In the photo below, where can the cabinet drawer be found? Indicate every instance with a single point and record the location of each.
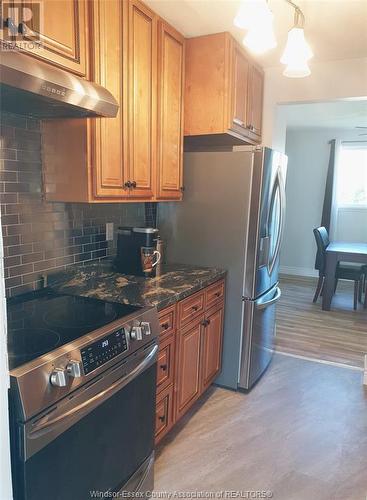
(167, 320)
(165, 363)
(214, 294)
(163, 413)
(190, 308)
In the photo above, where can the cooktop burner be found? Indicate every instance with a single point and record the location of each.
(42, 321)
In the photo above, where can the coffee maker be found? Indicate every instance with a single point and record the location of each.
(137, 251)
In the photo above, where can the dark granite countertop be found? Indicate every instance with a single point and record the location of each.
(101, 281)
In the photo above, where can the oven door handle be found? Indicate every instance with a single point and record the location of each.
(43, 427)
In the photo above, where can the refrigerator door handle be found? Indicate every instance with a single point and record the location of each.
(260, 304)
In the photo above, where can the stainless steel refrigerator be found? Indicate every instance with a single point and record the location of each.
(232, 217)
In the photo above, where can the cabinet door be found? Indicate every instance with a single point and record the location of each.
(240, 77)
(109, 151)
(61, 29)
(255, 103)
(170, 112)
(165, 363)
(163, 413)
(142, 98)
(187, 382)
(211, 353)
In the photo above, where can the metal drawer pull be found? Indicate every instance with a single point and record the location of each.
(263, 305)
(163, 367)
(217, 294)
(162, 418)
(165, 326)
(195, 308)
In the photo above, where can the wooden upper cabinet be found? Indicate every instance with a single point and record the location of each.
(136, 156)
(109, 155)
(239, 90)
(223, 94)
(255, 99)
(62, 33)
(171, 57)
(142, 71)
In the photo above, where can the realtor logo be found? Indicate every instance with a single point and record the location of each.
(21, 24)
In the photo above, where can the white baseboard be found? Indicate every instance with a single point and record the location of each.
(298, 271)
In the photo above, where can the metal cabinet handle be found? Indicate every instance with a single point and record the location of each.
(205, 322)
(217, 294)
(182, 189)
(10, 24)
(194, 308)
(163, 367)
(127, 185)
(165, 326)
(23, 29)
(162, 418)
(239, 122)
(133, 184)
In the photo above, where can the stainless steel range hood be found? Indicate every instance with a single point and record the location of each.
(34, 88)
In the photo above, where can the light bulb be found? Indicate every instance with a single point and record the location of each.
(297, 70)
(250, 13)
(297, 49)
(259, 39)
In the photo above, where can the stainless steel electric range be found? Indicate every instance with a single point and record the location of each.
(82, 396)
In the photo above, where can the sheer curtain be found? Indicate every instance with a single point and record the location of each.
(349, 221)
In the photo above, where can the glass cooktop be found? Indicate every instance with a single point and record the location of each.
(42, 321)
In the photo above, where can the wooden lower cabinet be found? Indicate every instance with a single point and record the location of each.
(187, 382)
(190, 354)
(211, 348)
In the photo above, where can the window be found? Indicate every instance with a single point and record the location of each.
(351, 181)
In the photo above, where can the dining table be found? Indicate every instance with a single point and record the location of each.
(339, 251)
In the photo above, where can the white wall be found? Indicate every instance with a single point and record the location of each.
(328, 81)
(308, 157)
(5, 475)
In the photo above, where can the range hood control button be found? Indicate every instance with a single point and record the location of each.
(74, 369)
(58, 377)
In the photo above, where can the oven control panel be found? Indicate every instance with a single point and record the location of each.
(105, 349)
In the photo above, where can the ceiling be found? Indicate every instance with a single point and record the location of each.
(335, 29)
(339, 114)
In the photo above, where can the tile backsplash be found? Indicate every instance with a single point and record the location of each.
(41, 236)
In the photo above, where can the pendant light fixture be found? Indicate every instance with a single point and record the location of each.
(256, 17)
(297, 52)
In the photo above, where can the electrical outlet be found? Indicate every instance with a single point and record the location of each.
(109, 231)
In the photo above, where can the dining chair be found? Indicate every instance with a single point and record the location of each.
(343, 271)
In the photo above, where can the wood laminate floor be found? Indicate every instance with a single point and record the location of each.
(301, 433)
(304, 329)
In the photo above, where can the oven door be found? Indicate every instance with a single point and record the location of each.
(99, 439)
